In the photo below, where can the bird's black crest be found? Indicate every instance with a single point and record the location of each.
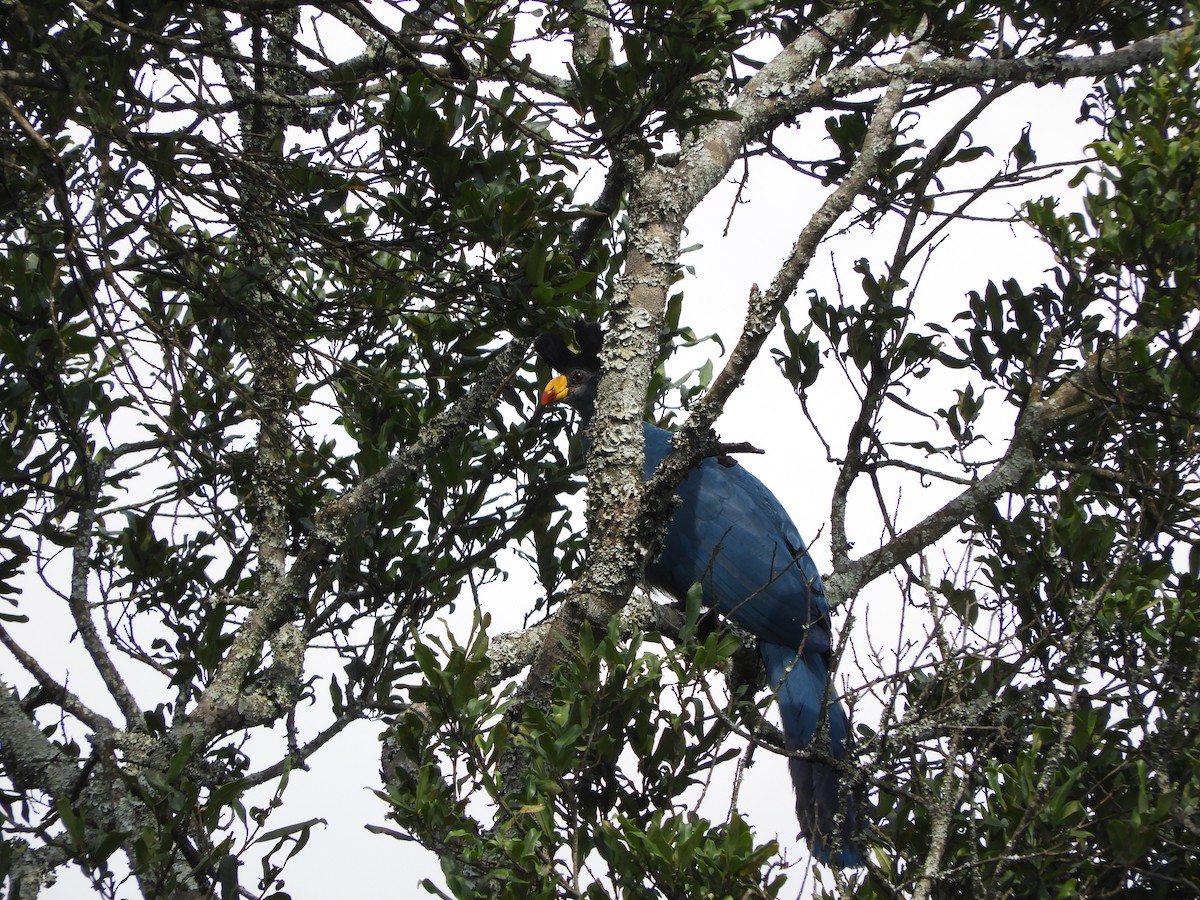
(562, 359)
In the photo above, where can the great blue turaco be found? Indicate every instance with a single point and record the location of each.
(733, 537)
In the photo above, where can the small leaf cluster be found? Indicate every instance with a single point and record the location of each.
(604, 769)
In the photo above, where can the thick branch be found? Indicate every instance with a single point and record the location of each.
(98, 793)
(29, 758)
(762, 103)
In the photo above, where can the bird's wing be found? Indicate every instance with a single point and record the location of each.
(734, 537)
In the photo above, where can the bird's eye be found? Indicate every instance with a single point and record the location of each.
(577, 376)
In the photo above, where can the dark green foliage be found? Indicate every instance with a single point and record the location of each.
(1076, 773)
(609, 761)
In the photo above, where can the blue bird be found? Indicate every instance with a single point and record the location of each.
(733, 537)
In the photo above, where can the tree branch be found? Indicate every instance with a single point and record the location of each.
(81, 610)
(688, 443)
(1079, 393)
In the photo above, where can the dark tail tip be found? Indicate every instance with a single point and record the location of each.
(826, 814)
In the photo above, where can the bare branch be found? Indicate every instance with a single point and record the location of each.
(1079, 393)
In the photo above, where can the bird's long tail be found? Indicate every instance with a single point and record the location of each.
(800, 681)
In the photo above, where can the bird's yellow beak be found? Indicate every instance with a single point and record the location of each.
(556, 389)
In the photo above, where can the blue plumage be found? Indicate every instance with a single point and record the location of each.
(733, 537)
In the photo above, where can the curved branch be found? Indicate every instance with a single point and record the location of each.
(782, 90)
